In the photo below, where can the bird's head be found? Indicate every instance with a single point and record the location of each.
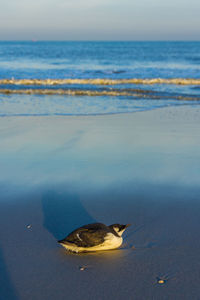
(118, 228)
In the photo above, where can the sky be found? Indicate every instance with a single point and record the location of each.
(99, 20)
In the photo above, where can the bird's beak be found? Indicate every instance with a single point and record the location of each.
(127, 225)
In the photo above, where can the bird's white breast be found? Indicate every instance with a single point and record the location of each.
(110, 242)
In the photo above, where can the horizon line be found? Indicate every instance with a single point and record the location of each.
(99, 40)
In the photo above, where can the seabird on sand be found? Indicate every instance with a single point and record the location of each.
(94, 237)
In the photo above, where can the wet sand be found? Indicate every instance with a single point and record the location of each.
(58, 173)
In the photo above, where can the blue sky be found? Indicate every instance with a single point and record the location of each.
(99, 19)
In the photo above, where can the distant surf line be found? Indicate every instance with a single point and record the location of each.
(136, 93)
(101, 81)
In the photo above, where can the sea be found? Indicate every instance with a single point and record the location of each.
(46, 78)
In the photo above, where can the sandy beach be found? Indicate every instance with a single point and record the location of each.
(58, 173)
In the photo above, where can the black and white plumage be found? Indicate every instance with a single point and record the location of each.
(94, 237)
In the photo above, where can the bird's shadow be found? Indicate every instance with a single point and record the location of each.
(63, 212)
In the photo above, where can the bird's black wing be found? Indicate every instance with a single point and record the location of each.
(88, 236)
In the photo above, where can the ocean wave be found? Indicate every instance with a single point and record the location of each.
(136, 93)
(101, 81)
(196, 87)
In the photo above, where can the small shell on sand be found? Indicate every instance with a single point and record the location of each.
(161, 281)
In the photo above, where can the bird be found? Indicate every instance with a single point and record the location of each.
(94, 237)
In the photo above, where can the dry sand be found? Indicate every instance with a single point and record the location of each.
(58, 173)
